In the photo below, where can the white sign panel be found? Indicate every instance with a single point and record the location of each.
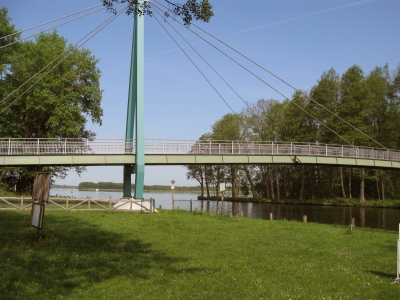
(37, 215)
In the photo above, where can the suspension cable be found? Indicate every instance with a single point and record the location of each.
(194, 64)
(20, 40)
(21, 31)
(245, 102)
(98, 28)
(277, 91)
(283, 81)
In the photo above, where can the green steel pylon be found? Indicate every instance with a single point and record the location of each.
(135, 112)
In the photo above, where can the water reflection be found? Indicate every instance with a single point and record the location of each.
(380, 218)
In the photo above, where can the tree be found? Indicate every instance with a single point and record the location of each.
(55, 106)
(8, 36)
(190, 10)
(261, 119)
(230, 128)
(326, 94)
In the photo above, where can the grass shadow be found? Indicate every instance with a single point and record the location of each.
(70, 254)
(381, 274)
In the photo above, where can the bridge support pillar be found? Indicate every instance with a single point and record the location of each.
(135, 111)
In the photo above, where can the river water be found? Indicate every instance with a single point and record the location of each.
(379, 218)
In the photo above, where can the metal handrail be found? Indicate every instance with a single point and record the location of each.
(42, 147)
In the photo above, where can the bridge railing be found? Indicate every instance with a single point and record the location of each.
(122, 146)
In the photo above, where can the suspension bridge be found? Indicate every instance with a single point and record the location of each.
(134, 152)
(78, 152)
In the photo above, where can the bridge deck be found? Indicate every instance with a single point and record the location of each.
(72, 152)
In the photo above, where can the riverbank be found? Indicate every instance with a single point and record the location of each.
(324, 202)
(113, 255)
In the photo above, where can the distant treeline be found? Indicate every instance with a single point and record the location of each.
(119, 186)
(58, 186)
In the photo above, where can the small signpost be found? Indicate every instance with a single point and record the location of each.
(40, 196)
(222, 188)
(172, 188)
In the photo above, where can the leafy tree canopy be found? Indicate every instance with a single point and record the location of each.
(34, 104)
(190, 10)
(59, 104)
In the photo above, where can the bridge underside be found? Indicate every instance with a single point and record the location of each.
(187, 159)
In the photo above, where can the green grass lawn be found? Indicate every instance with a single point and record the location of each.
(183, 255)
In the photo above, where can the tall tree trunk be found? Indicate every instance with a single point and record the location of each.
(377, 188)
(238, 180)
(266, 181)
(342, 182)
(218, 182)
(350, 171)
(322, 176)
(332, 182)
(271, 177)
(206, 180)
(233, 177)
(392, 173)
(278, 196)
(301, 196)
(283, 183)
(362, 195)
(383, 189)
(201, 182)
(313, 182)
(253, 190)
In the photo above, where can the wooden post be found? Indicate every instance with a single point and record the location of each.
(305, 218)
(241, 213)
(67, 203)
(109, 203)
(88, 204)
(353, 222)
(271, 216)
(160, 207)
(398, 257)
(22, 202)
(178, 207)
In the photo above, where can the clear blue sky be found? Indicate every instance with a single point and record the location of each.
(296, 40)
